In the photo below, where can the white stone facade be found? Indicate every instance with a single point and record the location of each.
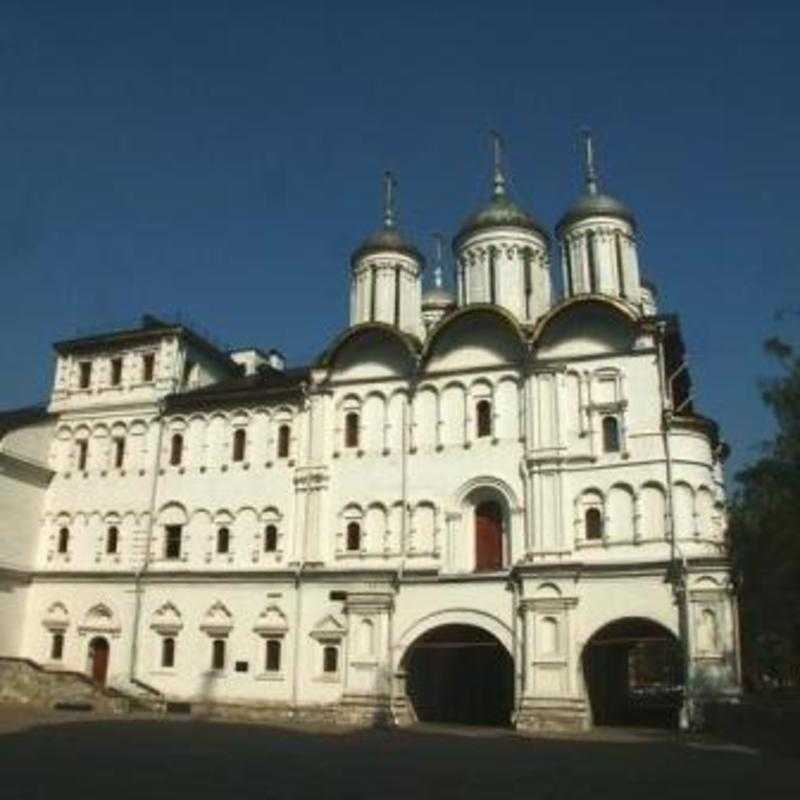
(242, 533)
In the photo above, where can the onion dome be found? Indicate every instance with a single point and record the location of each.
(437, 297)
(501, 211)
(388, 238)
(593, 202)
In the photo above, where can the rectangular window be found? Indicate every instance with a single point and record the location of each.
(119, 452)
(168, 652)
(57, 647)
(148, 367)
(83, 454)
(330, 659)
(116, 371)
(188, 369)
(172, 547)
(218, 654)
(273, 661)
(85, 374)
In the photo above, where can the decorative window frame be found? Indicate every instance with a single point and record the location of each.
(271, 515)
(55, 620)
(271, 625)
(587, 499)
(329, 632)
(352, 512)
(217, 623)
(595, 410)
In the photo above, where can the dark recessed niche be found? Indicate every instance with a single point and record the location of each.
(338, 595)
(242, 666)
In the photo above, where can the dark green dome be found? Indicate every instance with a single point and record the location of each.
(501, 212)
(387, 239)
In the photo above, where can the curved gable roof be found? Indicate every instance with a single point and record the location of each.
(612, 303)
(409, 342)
(503, 316)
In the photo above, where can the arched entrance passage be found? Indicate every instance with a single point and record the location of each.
(460, 673)
(98, 659)
(633, 671)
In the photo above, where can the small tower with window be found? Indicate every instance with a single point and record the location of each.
(598, 241)
(385, 282)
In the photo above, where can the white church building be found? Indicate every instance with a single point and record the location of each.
(496, 505)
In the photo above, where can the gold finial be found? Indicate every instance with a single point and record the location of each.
(589, 165)
(498, 177)
(389, 185)
(438, 240)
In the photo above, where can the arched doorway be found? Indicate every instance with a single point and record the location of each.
(488, 536)
(98, 659)
(460, 673)
(633, 672)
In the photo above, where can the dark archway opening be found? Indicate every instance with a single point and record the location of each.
(461, 674)
(633, 670)
(98, 659)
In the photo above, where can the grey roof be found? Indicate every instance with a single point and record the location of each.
(386, 239)
(501, 212)
(263, 385)
(21, 417)
(150, 328)
(437, 297)
(597, 204)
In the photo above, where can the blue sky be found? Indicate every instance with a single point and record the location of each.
(221, 160)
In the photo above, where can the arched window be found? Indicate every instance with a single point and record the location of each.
(63, 540)
(488, 536)
(483, 413)
(83, 454)
(284, 441)
(270, 539)
(610, 435)
(330, 659)
(273, 661)
(620, 271)
(591, 263)
(218, 654)
(112, 540)
(223, 540)
(176, 449)
(168, 652)
(239, 444)
(351, 429)
(353, 536)
(57, 646)
(594, 524)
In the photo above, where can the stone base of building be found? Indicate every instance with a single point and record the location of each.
(369, 711)
(552, 714)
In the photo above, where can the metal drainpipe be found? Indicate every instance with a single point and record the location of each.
(137, 608)
(679, 584)
(517, 643)
(401, 570)
(298, 575)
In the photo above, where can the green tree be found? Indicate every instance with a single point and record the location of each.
(765, 537)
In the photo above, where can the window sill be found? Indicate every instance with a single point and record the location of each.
(333, 677)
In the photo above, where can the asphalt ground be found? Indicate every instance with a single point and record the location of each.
(51, 756)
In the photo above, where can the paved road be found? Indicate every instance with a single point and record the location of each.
(99, 759)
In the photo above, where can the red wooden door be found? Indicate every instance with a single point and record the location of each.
(99, 656)
(488, 537)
